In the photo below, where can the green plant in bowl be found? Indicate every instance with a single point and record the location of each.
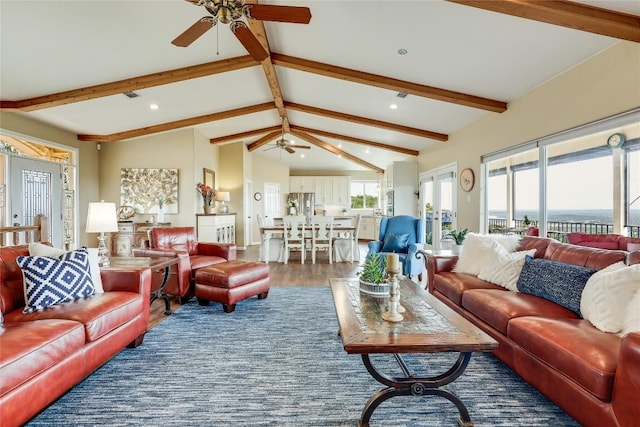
(458, 236)
(372, 269)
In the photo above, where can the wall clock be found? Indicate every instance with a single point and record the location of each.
(467, 179)
(616, 140)
(257, 196)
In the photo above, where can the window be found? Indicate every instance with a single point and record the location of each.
(588, 186)
(632, 198)
(365, 194)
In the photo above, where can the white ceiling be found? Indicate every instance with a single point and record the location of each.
(52, 46)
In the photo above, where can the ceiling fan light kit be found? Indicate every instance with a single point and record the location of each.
(231, 12)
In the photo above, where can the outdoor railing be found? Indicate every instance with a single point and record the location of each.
(559, 229)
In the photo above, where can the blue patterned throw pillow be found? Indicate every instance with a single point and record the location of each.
(395, 243)
(554, 281)
(49, 281)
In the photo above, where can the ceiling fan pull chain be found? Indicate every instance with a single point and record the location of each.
(217, 40)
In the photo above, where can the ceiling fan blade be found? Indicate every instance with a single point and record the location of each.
(269, 12)
(193, 32)
(306, 147)
(249, 41)
(290, 150)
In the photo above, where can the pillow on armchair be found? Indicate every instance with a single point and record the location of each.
(396, 243)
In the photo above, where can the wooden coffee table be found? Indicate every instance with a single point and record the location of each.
(429, 326)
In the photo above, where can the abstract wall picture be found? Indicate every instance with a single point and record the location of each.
(149, 190)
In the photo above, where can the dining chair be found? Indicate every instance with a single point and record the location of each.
(294, 236)
(275, 250)
(345, 244)
(321, 236)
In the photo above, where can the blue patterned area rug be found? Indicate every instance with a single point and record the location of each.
(279, 362)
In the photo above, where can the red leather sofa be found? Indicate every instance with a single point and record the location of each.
(603, 241)
(592, 375)
(45, 353)
(182, 242)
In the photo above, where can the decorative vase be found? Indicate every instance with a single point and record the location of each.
(456, 249)
(292, 210)
(207, 209)
(160, 217)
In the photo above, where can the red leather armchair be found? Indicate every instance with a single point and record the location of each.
(182, 242)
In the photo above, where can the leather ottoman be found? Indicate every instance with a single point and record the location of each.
(230, 282)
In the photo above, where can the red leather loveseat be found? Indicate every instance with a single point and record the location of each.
(592, 375)
(603, 241)
(182, 242)
(45, 353)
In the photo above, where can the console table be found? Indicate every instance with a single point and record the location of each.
(131, 235)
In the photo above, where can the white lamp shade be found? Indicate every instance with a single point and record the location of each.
(223, 196)
(102, 218)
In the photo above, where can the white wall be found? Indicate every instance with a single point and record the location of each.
(602, 86)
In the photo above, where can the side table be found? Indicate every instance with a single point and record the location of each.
(162, 264)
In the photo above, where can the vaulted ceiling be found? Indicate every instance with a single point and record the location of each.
(69, 63)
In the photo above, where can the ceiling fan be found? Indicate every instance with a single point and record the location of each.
(231, 12)
(286, 144)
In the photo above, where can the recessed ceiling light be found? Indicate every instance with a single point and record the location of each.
(393, 106)
(339, 145)
(154, 106)
(402, 51)
(302, 156)
(366, 151)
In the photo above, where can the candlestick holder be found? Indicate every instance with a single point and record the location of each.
(393, 314)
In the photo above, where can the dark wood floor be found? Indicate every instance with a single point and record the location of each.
(291, 274)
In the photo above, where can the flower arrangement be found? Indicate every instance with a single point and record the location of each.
(161, 201)
(293, 203)
(207, 193)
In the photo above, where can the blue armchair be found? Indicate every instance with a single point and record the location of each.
(404, 235)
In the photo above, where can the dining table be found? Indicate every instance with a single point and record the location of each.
(342, 231)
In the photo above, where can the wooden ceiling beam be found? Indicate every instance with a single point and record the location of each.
(367, 122)
(246, 134)
(567, 14)
(257, 27)
(335, 150)
(262, 141)
(389, 83)
(356, 140)
(177, 124)
(127, 85)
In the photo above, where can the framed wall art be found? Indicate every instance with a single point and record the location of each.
(149, 190)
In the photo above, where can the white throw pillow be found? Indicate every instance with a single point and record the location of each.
(39, 249)
(632, 316)
(95, 270)
(505, 269)
(606, 295)
(510, 242)
(477, 252)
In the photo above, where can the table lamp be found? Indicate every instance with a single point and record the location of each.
(101, 218)
(223, 196)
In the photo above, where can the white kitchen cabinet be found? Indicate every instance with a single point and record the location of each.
(302, 184)
(341, 189)
(218, 228)
(324, 190)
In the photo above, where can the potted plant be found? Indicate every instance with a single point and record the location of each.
(372, 275)
(526, 222)
(458, 238)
